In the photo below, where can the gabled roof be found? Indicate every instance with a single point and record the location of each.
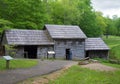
(65, 32)
(95, 44)
(28, 37)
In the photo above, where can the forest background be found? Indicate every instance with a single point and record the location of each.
(34, 14)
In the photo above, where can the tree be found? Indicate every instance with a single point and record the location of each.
(101, 22)
(88, 22)
(117, 25)
(110, 28)
(24, 12)
(5, 24)
(34, 14)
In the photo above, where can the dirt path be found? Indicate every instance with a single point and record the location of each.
(46, 78)
(43, 67)
(98, 66)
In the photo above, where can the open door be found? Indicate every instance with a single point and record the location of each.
(87, 54)
(68, 54)
(30, 52)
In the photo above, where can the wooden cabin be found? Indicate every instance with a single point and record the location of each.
(68, 42)
(67, 39)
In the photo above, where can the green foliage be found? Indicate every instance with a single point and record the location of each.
(117, 25)
(110, 28)
(109, 61)
(11, 51)
(113, 65)
(23, 12)
(65, 12)
(24, 15)
(115, 53)
(33, 14)
(78, 75)
(26, 25)
(17, 63)
(89, 25)
(5, 24)
(113, 26)
(114, 43)
(101, 22)
(88, 22)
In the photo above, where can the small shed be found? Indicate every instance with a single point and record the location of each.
(28, 43)
(95, 47)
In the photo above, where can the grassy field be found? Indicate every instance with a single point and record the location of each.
(114, 43)
(78, 75)
(18, 63)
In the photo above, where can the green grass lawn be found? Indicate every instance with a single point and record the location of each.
(112, 65)
(78, 75)
(114, 43)
(18, 63)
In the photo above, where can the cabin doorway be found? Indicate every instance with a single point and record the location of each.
(87, 54)
(30, 52)
(68, 54)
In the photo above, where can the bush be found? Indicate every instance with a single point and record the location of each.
(10, 50)
(115, 53)
(114, 61)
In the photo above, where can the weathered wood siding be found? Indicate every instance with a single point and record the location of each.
(42, 51)
(20, 52)
(2, 51)
(4, 40)
(97, 53)
(76, 46)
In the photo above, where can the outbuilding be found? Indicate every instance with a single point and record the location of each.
(28, 43)
(66, 41)
(96, 48)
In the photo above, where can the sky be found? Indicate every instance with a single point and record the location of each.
(107, 7)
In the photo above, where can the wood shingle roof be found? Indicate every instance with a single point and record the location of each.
(65, 32)
(95, 44)
(28, 37)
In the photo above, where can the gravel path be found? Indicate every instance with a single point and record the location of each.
(98, 66)
(44, 67)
